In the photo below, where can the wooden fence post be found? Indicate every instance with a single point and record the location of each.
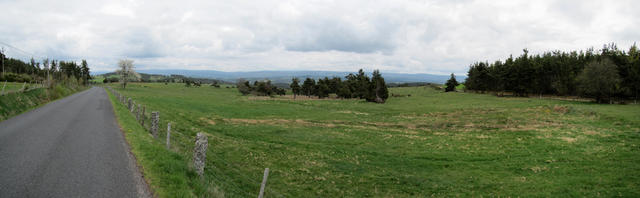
(264, 182)
(200, 153)
(129, 104)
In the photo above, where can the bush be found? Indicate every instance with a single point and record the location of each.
(599, 80)
(243, 86)
(13, 77)
(58, 91)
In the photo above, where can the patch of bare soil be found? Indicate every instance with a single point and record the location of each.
(353, 112)
(569, 139)
(290, 97)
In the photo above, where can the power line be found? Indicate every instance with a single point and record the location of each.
(21, 50)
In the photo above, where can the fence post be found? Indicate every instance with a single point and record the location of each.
(22, 89)
(155, 119)
(133, 107)
(168, 135)
(143, 116)
(138, 113)
(264, 182)
(200, 153)
(129, 103)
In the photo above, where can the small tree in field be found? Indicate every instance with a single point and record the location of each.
(295, 87)
(452, 83)
(126, 71)
(379, 92)
(243, 86)
(599, 80)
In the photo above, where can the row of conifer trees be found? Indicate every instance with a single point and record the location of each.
(357, 85)
(604, 75)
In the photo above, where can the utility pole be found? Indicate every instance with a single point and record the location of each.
(2, 60)
(46, 67)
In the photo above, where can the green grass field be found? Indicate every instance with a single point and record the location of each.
(12, 86)
(429, 144)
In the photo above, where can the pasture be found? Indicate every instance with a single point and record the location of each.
(429, 144)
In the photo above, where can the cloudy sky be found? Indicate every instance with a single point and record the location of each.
(394, 36)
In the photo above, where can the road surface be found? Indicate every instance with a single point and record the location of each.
(71, 147)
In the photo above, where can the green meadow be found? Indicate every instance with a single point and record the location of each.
(13, 86)
(428, 144)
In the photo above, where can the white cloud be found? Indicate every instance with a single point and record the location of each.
(400, 36)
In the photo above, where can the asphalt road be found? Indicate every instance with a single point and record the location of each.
(71, 147)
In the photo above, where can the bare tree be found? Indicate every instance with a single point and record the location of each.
(126, 71)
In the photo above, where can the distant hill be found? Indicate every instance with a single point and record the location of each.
(285, 76)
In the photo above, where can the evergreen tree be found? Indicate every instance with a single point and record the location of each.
(85, 72)
(308, 86)
(362, 85)
(451, 84)
(322, 88)
(295, 87)
(344, 91)
(379, 93)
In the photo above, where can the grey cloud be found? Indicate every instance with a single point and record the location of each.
(434, 36)
(140, 43)
(326, 34)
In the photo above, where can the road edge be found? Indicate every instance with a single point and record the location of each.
(143, 188)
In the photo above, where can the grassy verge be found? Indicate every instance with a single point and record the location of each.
(13, 104)
(167, 172)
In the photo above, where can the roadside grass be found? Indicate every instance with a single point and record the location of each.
(16, 103)
(430, 144)
(167, 172)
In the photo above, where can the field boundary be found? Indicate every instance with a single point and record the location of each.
(149, 121)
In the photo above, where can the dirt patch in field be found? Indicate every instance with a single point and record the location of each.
(561, 109)
(290, 97)
(590, 132)
(353, 112)
(569, 139)
(208, 121)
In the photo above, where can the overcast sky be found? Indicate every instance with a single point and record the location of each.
(233, 35)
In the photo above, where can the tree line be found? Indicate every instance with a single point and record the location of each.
(357, 85)
(16, 70)
(259, 88)
(604, 75)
